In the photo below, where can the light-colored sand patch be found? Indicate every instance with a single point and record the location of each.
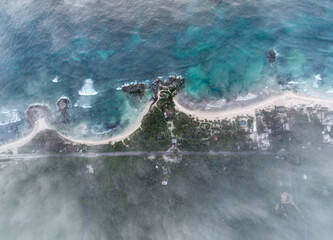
(131, 129)
(40, 125)
(287, 99)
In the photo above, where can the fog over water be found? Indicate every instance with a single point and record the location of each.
(206, 198)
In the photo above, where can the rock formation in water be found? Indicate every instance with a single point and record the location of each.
(63, 104)
(172, 84)
(36, 112)
(138, 88)
(271, 56)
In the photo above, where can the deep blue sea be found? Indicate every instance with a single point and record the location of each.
(85, 50)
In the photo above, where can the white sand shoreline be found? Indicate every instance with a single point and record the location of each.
(130, 130)
(41, 125)
(287, 99)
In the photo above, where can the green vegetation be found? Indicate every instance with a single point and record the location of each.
(296, 137)
(204, 136)
(50, 141)
(153, 134)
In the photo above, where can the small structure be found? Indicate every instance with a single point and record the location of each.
(327, 138)
(328, 120)
(254, 126)
(90, 169)
(328, 128)
(170, 113)
(165, 182)
(281, 109)
(163, 95)
(243, 123)
(263, 141)
(215, 138)
(174, 143)
(286, 127)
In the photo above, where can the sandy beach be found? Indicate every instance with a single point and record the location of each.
(41, 125)
(287, 99)
(131, 129)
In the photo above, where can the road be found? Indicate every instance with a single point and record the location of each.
(133, 153)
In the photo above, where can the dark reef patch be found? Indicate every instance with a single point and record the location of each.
(36, 112)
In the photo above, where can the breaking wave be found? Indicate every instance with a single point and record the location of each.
(9, 117)
(83, 102)
(87, 88)
(56, 79)
(247, 97)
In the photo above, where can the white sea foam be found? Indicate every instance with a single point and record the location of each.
(249, 96)
(9, 117)
(83, 102)
(87, 88)
(63, 97)
(293, 82)
(103, 132)
(216, 104)
(56, 79)
(131, 83)
(276, 53)
(318, 77)
(329, 91)
(315, 84)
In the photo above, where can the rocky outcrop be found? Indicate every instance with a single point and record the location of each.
(63, 104)
(36, 112)
(271, 56)
(172, 84)
(138, 88)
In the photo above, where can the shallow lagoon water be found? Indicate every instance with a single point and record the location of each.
(219, 46)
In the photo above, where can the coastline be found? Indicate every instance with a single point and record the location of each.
(41, 125)
(129, 131)
(286, 99)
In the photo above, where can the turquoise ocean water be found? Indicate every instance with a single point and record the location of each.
(85, 50)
